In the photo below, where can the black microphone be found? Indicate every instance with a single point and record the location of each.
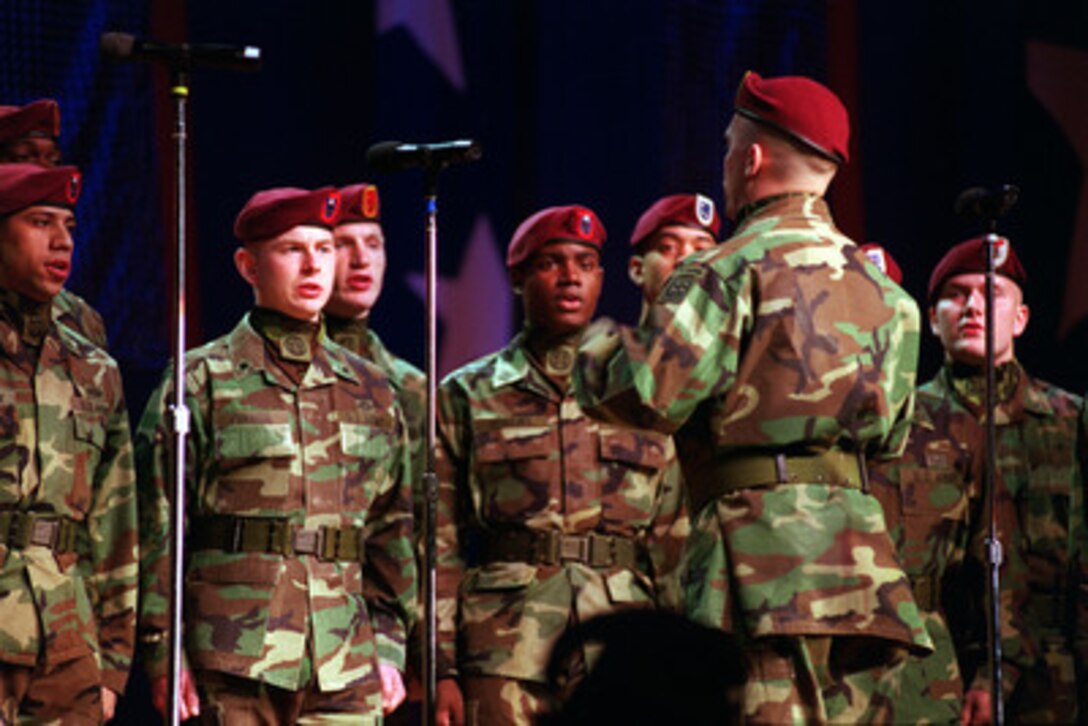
(387, 157)
(230, 57)
(987, 205)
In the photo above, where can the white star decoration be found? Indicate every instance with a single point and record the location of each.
(474, 307)
(430, 22)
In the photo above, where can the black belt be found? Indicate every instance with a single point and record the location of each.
(548, 547)
(19, 530)
(750, 471)
(276, 536)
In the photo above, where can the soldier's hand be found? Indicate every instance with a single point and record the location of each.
(977, 708)
(449, 704)
(109, 703)
(392, 688)
(188, 700)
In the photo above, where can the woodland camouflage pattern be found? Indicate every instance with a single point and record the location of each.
(77, 314)
(408, 382)
(329, 452)
(515, 453)
(1041, 525)
(65, 449)
(925, 496)
(785, 338)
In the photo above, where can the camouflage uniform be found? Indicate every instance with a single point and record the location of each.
(779, 358)
(925, 496)
(546, 518)
(292, 437)
(68, 516)
(1041, 525)
(76, 313)
(408, 382)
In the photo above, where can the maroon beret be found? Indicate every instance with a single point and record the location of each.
(360, 203)
(799, 107)
(40, 118)
(26, 185)
(274, 211)
(688, 210)
(883, 259)
(970, 256)
(573, 223)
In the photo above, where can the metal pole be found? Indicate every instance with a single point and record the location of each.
(993, 544)
(179, 411)
(430, 479)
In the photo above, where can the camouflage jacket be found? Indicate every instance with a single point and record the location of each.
(408, 381)
(784, 339)
(77, 314)
(328, 452)
(1041, 525)
(65, 451)
(516, 454)
(924, 495)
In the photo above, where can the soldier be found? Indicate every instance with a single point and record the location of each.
(782, 361)
(300, 573)
(546, 517)
(68, 511)
(924, 496)
(1039, 491)
(670, 230)
(28, 134)
(360, 271)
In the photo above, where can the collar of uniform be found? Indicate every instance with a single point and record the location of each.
(352, 333)
(552, 354)
(782, 204)
(29, 317)
(289, 339)
(248, 351)
(969, 384)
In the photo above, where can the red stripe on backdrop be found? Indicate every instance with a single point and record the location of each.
(169, 24)
(845, 195)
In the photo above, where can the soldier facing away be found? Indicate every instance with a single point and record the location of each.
(67, 486)
(546, 517)
(28, 135)
(1040, 493)
(300, 576)
(782, 360)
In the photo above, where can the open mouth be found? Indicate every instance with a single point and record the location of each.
(310, 291)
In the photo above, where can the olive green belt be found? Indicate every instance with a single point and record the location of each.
(19, 530)
(750, 471)
(548, 547)
(274, 535)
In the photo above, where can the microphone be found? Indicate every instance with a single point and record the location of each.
(387, 157)
(987, 205)
(230, 57)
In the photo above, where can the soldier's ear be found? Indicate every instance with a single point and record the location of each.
(517, 280)
(755, 156)
(1020, 320)
(246, 263)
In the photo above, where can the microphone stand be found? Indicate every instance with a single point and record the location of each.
(179, 91)
(994, 555)
(430, 478)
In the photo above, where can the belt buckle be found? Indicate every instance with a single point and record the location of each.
(307, 541)
(44, 532)
(573, 548)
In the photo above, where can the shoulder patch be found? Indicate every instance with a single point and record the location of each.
(677, 287)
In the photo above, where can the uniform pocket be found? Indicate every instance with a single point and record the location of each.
(516, 465)
(227, 600)
(631, 463)
(254, 460)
